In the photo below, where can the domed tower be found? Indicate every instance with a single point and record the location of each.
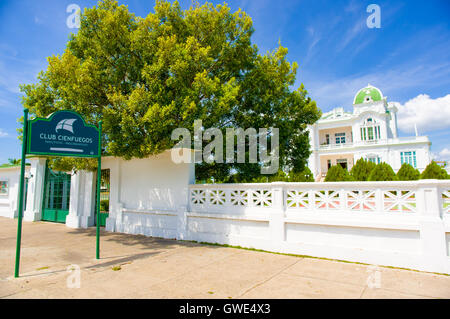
(369, 94)
(369, 98)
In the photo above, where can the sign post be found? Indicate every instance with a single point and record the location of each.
(99, 173)
(63, 133)
(21, 186)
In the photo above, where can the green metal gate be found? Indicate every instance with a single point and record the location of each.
(56, 196)
(104, 197)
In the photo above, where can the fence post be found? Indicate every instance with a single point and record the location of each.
(379, 200)
(182, 223)
(432, 228)
(277, 214)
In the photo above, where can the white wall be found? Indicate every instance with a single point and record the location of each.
(8, 202)
(154, 184)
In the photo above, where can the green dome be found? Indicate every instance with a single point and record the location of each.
(367, 95)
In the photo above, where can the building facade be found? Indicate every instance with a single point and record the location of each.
(369, 132)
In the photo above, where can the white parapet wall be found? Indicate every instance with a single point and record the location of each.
(401, 224)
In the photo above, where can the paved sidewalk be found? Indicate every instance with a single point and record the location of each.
(141, 267)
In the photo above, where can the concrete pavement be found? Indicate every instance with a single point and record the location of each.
(134, 266)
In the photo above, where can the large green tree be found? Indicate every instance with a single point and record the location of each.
(144, 77)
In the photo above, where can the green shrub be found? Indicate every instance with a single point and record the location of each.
(337, 173)
(434, 171)
(303, 176)
(104, 205)
(259, 179)
(382, 172)
(362, 169)
(408, 173)
(280, 176)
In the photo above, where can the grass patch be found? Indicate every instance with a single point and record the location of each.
(42, 268)
(116, 268)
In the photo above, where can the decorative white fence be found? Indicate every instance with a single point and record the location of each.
(397, 197)
(403, 224)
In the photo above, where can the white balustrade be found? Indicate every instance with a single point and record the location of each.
(366, 197)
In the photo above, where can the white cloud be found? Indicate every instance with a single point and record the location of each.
(443, 155)
(427, 113)
(330, 92)
(3, 133)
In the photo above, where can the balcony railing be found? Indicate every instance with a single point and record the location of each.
(417, 139)
(333, 146)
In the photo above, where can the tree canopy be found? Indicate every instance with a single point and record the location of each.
(144, 77)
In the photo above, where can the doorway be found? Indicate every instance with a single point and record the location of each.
(342, 162)
(56, 196)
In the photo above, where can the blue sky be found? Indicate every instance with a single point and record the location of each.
(408, 58)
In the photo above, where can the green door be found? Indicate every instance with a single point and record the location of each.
(56, 196)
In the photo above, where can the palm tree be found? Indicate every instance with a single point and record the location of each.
(13, 161)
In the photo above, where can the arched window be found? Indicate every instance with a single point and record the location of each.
(370, 130)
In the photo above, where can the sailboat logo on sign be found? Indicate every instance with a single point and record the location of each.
(66, 124)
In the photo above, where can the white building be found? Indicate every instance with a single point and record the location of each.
(369, 132)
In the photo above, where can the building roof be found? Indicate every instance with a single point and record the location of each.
(368, 94)
(11, 166)
(336, 113)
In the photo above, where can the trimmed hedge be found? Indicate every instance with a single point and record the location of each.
(408, 173)
(382, 172)
(362, 169)
(337, 173)
(434, 171)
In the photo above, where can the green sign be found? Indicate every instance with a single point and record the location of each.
(62, 133)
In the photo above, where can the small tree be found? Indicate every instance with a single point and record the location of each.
(408, 173)
(13, 161)
(362, 169)
(434, 171)
(303, 176)
(382, 172)
(337, 173)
